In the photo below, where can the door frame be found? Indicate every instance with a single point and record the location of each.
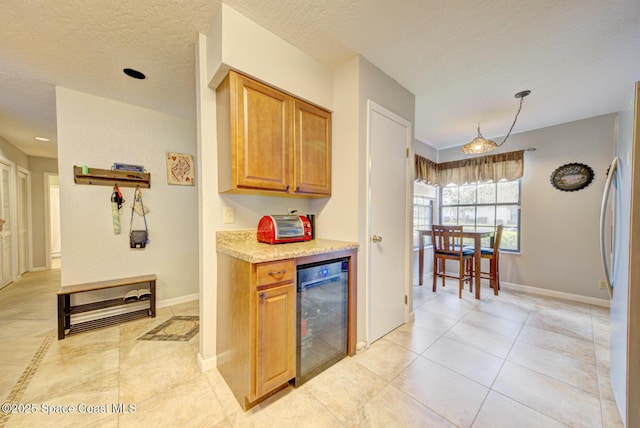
(47, 218)
(13, 212)
(371, 107)
(29, 224)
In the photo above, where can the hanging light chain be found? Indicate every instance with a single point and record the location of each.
(514, 119)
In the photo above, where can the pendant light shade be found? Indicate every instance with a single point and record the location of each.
(481, 144)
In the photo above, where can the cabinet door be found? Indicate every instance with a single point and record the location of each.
(275, 337)
(312, 152)
(263, 136)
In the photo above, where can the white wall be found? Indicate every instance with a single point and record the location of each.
(339, 216)
(96, 132)
(243, 45)
(559, 239)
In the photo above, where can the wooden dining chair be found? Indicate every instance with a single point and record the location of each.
(447, 245)
(493, 255)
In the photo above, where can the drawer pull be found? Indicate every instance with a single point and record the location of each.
(280, 272)
(262, 295)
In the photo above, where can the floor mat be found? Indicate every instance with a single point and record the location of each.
(177, 329)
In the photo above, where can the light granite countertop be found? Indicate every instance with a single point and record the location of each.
(244, 245)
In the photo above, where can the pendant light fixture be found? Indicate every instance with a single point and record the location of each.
(481, 144)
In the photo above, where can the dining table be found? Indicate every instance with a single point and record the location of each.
(476, 235)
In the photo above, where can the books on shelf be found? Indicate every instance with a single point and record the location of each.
(127, 167)
(133, 295)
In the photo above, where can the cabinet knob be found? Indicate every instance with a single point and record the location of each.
(288, 187)
(261, 295)
(298, 189)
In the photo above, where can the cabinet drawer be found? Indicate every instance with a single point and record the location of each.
(275, 272)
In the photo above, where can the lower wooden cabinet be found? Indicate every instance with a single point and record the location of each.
(256, 334)
(275, 338)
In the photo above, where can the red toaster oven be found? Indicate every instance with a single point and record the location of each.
(280, 229)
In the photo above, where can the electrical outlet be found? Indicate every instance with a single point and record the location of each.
(228, 215)
(602, 284)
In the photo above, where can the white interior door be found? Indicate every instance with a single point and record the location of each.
(389, 138)
(6, 265)
(24, 250)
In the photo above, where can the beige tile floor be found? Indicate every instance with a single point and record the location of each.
(514, 360)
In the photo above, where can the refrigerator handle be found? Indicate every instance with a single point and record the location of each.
(603, 212)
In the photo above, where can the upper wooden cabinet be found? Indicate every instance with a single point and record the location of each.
(312, 149)
(270, 142)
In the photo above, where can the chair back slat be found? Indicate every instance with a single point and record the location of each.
(447, 238)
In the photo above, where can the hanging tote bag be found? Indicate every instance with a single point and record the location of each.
(138, 238)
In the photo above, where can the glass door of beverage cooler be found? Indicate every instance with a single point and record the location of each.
(321, 316)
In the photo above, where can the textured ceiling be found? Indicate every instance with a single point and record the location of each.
(464, 60)
(84, 45)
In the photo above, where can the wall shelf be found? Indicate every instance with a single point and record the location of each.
(108, 177)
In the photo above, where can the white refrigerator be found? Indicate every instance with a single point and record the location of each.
(620, 244)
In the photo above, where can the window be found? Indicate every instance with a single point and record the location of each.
(423, 201)
(485, 205)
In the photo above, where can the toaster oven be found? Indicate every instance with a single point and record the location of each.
(280, 229)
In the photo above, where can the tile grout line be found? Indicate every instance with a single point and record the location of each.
(533, 370)
(21, 385)
(596, 360)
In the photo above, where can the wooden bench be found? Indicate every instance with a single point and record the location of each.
(65, 310)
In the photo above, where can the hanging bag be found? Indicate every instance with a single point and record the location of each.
(138, 238)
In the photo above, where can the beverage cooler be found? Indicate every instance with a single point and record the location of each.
(322, 317)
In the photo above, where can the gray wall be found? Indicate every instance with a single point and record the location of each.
(559, 240)
(37, 166)
(13, 154)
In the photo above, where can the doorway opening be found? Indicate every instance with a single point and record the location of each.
(52, 220)
(24, 222)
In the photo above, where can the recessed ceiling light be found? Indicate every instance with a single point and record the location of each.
(42, 139)
(134, 73)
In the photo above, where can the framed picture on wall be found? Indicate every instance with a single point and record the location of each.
(180, 169)
(572, 177)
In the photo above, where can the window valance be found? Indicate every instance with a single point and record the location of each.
(509, 166)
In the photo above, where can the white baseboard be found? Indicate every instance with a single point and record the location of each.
(178, 300)
(361, 346)
(558, 294)
(551, 293)
(38, 269)
(206, 364)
